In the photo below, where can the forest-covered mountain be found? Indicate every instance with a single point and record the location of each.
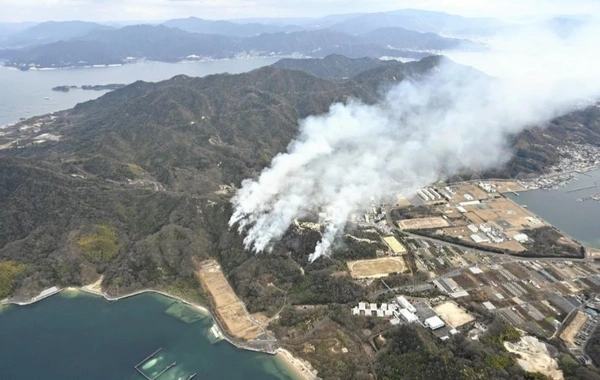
(157, 158)
(138, 187)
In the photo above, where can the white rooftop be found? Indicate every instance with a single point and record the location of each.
(434, 323)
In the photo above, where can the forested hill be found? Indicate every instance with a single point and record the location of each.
(138, 185)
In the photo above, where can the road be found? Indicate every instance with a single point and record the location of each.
(391, 224)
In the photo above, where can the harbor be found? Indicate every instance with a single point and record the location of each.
(133, 332)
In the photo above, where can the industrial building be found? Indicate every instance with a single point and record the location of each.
(434, 323)
(521, 238)
(479, 238)
(403, 302)
(408, 316)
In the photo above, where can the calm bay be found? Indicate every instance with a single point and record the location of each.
(75, 335)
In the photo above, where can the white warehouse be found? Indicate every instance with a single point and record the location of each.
(403, 302)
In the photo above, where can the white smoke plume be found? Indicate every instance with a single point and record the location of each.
(423, 130)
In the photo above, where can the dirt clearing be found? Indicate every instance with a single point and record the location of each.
(533, 356)
(377, 267)
(422, 223)
(568, 335)
(453, 314)
(228, 308)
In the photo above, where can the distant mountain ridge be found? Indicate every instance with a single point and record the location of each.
(161, 43)
(52, 31)
(227, 28)
(405, 33)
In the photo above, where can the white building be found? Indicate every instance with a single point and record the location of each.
(477, 238)
(434, 323)
(473, 228)
(423, 196)
(521, 238)
(408, 316)
(485, 228)
(403, 302)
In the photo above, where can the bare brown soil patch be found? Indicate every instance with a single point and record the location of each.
(377, 267)
(570, 332)
(422, 223)
(228, 308)
(454, 315)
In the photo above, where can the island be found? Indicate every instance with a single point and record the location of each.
(98, 87)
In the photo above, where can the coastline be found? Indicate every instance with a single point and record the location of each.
(148, 61)
(293, 364)
(298, 366)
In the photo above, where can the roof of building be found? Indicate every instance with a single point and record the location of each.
(434, 323)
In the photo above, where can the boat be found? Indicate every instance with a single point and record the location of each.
(46, 98)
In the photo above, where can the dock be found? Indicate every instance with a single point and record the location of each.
(583, 188)
(137, 366)
(148, 357)
(165, 370)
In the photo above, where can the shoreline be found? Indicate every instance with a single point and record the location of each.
(146, 61)
(296, 365)
(292, 363)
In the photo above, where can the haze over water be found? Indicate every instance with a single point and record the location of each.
(23, 93)
(75, 335)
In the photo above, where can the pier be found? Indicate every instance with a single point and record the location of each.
(148, 357)
(583, 188)
(137, 366)
(165, 370)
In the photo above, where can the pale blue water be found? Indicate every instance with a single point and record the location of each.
(580, 220)
(22, 93)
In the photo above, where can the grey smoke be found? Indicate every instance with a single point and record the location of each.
(423, 130)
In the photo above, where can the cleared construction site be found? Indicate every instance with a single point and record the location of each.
(230, 311)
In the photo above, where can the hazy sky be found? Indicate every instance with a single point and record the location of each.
(106, 10)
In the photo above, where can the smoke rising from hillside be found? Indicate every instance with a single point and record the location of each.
(423, 130)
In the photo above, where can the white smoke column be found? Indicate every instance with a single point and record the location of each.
(422, 131)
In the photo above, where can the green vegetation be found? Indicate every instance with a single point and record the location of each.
(413, 353)
(498, 361)
(548, 242)
(101, 246)
(9, 270)
(500, 332)
(536, 376)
